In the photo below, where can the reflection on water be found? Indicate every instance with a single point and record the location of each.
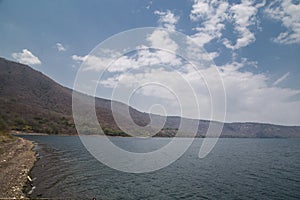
(235, 169)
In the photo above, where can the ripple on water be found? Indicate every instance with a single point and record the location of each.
(235, 169)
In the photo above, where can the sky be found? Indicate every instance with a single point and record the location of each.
(254, 44)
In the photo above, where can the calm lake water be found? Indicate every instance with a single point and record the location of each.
(235, 169)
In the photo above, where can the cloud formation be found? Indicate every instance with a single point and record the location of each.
(212, 18)
(60, 47)
(93, 63)
(143, 57)
(161, 39)
(167, 19)
(288, 13)
(243, 16)
(26, 57)
(211, 14)
(251, 98)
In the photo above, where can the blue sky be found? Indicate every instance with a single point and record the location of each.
(259, 41)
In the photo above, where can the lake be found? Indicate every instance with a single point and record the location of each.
(235, 169)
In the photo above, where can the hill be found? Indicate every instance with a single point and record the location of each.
(32, 102)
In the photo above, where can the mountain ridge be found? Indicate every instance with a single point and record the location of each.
(32, 102)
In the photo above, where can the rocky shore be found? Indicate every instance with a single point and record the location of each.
(16, 160)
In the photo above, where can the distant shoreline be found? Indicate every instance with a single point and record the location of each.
(19, 133)
(26, 133)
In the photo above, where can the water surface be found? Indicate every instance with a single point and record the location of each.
(235, 169)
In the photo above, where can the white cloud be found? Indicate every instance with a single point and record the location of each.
(250, 98)
(149, 5)
(60, 47)
(208, 56)
(288, 14)
(212, 17)
(282, 78)
(92, 62)
(26, 57)
(160, 51)
(167, 19)
(211, 14)
(79, 58)
(143, 57)
(148, 58)
(161, 39)
(98, 63)
(243, 16)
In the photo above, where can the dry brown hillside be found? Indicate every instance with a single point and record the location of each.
(32, 102)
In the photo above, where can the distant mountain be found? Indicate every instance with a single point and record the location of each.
(32, 102)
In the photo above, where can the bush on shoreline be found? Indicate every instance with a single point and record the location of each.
(4, 130)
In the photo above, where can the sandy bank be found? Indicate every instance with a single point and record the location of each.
(16, 160)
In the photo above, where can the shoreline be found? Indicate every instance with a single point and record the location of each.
(16, 133)
(19, 133)
(17, 160)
